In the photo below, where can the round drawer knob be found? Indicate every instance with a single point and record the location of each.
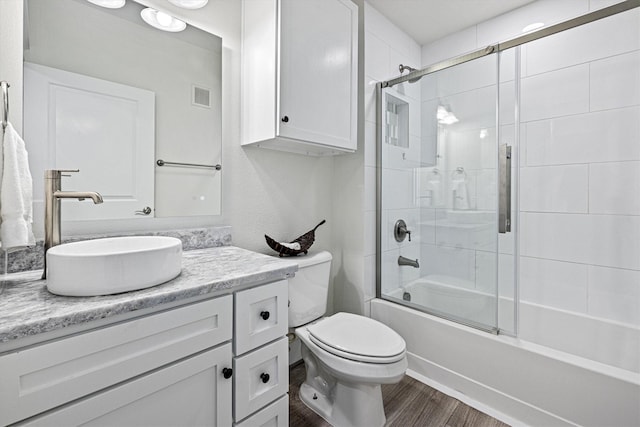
(265, 315)
(227, 372)
(285, 119)
(264, 377)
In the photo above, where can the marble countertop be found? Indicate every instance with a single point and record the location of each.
(27, 309)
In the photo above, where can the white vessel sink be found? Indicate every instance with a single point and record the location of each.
(112, 265)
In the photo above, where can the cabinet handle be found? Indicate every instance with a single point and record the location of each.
(265, 315)
(285, 119)
(227, 372)
(264, 377)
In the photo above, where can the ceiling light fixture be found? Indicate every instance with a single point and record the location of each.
(189, 4)
(162, 21)
(110, 4)
(532, 27)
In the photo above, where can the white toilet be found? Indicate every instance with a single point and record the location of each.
(347, 356)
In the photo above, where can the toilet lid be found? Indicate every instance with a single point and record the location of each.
(358, 338)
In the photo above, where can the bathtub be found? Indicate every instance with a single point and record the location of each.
(566, 381)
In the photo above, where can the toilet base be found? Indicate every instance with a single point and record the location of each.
(346, 405)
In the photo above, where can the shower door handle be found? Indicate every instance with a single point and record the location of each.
(504, 196)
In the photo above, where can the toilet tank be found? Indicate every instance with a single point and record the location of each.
(308, 289)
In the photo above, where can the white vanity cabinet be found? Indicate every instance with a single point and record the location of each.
(176, 367)
(299, 75)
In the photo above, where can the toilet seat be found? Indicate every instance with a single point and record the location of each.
(357, 338)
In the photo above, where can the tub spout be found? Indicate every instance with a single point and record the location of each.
(406, 261)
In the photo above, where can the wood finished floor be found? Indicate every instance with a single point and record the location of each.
(406, 404)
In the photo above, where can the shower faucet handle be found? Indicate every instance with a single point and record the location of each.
(400, 231)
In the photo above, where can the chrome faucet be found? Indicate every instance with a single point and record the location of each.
(406, 261)
(52, 195)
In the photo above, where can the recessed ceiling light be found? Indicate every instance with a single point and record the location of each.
(111, 4)
(189, 4)
(162, 21)
(532, 27)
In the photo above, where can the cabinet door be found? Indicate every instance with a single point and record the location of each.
(192, 392)
(40, 378)
(318, 71)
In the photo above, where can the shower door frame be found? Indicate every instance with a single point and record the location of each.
(416, 75)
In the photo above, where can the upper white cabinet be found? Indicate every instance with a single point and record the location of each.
(299, 75)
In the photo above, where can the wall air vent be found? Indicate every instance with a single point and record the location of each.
(201, 97)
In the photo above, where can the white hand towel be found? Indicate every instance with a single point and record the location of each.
(435, 187)
(460, 194)
(16, 194)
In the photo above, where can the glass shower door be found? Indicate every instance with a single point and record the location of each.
(441, 165)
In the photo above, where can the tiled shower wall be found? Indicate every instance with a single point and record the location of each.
(579, 170)
(580, 174)
(386, 46)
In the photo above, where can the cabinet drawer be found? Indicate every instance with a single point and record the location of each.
(192, 392)
(260, 315)
(260, 377)
(274, 415)
(46, 376)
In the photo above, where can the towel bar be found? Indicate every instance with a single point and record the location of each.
(161, 162)
(5, 103)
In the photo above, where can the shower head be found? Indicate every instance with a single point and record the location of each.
(404, 68)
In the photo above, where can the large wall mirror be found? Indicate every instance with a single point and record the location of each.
(109, 95)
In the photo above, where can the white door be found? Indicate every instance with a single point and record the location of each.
(104, 129)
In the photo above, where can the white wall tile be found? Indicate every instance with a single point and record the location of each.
(370, 100)
(398, 188)
(370, 143)
(599, 4)
(554, 189)
(475, 109)
(614, 188)
(596, 137)
(606, 240)
(369, 277)
(369, 188)
(486, 190)
(607, 37)
(467, 76)
(369, 233)
(555, 284)
(506, 276)
(450, 46)
(376, 57)
(452, 265)
(428, 225)
(557, 93)
(615, 82)
(487, 272)
(510, 24)
(615, 294)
